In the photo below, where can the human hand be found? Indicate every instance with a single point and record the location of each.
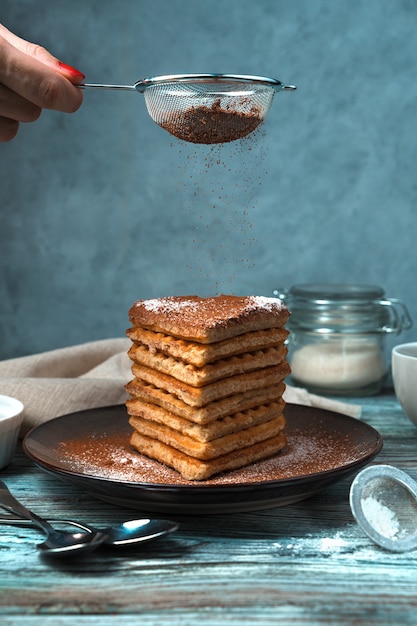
(31, 79)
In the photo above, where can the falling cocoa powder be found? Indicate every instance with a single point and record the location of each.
(218, 187)
(215, 124)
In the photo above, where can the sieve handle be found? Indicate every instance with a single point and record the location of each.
(96, 86)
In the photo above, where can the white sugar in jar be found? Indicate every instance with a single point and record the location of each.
(337, 336)
(340, 364)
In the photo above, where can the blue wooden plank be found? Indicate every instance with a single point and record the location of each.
(302, 564)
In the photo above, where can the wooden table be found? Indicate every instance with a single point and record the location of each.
(308, 563)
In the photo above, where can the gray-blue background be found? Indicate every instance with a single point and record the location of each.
(103, 207)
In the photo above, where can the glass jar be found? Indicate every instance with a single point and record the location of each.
(337, 336)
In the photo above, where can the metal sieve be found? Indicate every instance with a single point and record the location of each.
(383, 500)
(206, 108)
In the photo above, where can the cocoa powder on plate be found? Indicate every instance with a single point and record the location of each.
(214, 124)
(111, 456)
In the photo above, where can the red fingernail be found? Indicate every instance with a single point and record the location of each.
(71, 70)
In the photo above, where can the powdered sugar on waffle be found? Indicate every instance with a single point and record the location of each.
(174, 305)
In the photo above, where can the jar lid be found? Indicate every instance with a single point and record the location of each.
(343, 308)
(328, 292)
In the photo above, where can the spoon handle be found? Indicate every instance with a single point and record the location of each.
(9, 502)
(12, 519)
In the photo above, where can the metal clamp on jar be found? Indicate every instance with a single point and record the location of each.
(337, 336)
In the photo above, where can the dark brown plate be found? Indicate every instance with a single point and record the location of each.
(91, 449)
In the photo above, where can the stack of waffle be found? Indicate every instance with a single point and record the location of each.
(208, 381)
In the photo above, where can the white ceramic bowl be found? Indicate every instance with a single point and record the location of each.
(404, 376)
(11, 417)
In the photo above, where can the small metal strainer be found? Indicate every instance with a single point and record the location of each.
(206, 108)
(383, 500)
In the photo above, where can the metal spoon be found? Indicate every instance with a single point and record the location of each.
(129, 532)
(137, 530)
(383, 500)
(56, 542)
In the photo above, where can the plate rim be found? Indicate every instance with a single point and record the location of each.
(343, 469)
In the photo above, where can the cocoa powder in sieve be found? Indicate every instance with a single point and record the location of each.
(215, 124)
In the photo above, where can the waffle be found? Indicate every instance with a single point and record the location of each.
(195, 469)
(200, 354)
(212, 372)
(141, 391)
(204, 432)
(200, 396)
(208, 381)
(207, 450)
(208, 320)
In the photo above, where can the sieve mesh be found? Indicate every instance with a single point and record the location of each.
(208, 112)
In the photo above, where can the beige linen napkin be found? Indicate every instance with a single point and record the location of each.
(91, 375)
(298, 395)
